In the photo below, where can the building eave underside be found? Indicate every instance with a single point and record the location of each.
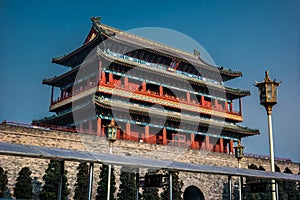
(231, 93)
(237, 132)
(242, 131)
(57, 120)
(60, 81)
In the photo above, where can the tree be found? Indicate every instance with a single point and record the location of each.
(102, 184)
(51, 179)
(3, 182)
(289, 187)
(37, 188)
(249, 180)
(249, 196)
(23, 187)
(177, 188)
(127, 189)
(82, 184)
(150, 193)
(266, 195)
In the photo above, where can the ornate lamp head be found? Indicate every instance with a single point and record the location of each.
(268, 92)
(112, 129)
(239, 151)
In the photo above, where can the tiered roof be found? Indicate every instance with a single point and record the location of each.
(100, 32)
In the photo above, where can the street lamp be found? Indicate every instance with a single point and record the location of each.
(239, 151)
(239, 154)
(268, 98)
(112, 129)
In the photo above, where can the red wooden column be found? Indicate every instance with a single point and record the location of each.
(188, 97)
(217, 147)
(231, 146)
(125, 81)
(99, 126)
(226, 106)
(161, 90)
(164, 136)
(192, 141)
(111, 78)
(146, 139)
(230, 105)
(202, 100)
(221, 145)
(207, 147)
(102, 131)
(103, 78)
(127, 136)
(144, 86)
(216, 103)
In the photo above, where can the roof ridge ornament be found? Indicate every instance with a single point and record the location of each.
(267, 77)
(96, 20)
(197, 53)
(97, 25)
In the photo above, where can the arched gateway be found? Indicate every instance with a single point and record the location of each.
(193, 193)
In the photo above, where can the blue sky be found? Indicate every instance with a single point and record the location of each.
(248, 36)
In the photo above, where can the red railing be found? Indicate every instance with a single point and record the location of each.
(74, 92)
(208, 105)
(134, 87)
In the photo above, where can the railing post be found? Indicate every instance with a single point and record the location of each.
(229, 188)
(60, 185)
(137, 179)
(91, 171)
(207, 147)
(171, 185)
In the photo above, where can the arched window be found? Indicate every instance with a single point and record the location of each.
(193, 193)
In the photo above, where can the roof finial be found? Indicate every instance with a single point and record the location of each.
(96, 19)
(267, 77)
(197, 53)
(267, 73)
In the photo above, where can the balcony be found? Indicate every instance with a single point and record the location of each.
(137, 89)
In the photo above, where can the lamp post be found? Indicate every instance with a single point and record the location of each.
(111, 137)
(268, 98)
(239, 154)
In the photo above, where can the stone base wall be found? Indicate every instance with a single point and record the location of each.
(212, 186)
